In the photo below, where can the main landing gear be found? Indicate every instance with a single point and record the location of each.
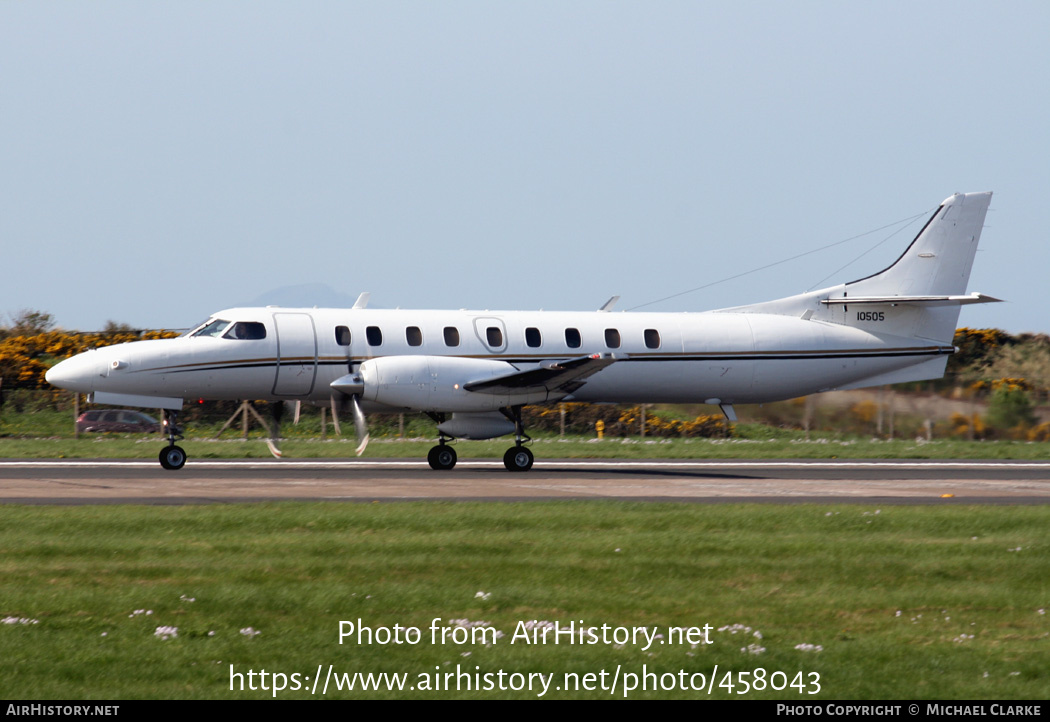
(517, 458)
(172, 457)
(442, 457)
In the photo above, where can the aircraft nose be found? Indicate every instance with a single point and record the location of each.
(75, 374)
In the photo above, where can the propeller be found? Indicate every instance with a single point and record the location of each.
(360, 426)
(350, 388)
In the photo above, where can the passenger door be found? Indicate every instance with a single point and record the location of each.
(296, 354)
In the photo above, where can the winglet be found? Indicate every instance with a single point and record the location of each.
(608, 305)
(362, 300)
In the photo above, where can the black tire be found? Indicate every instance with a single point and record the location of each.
(172, 458)
(518, 458)
(442, 458)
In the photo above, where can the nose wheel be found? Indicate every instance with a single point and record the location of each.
(172, 457)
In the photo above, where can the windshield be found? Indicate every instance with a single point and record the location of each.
(215, 328)
(192, 329)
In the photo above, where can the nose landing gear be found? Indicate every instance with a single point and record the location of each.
(172, 457)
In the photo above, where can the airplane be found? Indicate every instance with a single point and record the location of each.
(472, 372)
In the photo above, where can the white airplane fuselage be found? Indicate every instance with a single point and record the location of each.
(482, 367)
(695, 357)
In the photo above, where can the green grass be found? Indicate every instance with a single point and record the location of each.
(126, 447)
(48, 434)
(888, 593)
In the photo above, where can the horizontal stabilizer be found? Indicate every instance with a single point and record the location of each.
(566, 376)
(912, 300)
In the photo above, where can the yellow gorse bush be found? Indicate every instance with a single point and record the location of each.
(25, 359)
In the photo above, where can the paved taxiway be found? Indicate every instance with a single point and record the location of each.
(213, 481)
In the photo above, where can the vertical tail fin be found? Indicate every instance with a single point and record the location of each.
(938, 261)
(919, 295)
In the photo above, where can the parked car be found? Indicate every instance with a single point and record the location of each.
(120, 420)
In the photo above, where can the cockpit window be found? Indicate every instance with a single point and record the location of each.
(250, 330)
(194, 328)
(215, 328)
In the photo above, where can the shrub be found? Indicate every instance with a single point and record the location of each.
(1010, 408)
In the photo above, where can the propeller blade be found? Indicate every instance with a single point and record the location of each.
(360, 425)
(336, 406)
(276, 410)
(351, 388)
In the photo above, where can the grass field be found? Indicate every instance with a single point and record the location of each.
(905, 602)
(48, 434)
(118, 447)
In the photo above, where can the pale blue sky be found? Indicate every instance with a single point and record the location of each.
(160, 161)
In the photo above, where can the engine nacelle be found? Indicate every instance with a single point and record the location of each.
(435, 383)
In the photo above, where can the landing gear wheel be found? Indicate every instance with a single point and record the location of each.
(172, 458)
(442, 458)
(518, 458)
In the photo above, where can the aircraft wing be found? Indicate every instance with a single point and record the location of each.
(563, 376)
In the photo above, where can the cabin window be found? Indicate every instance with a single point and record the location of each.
(215, 328)
(249, 330)
(652, 338)
(342, 335)
(572, 338)
(533, 338)
(494, 336)
(612, 338)
(414, 336)
(374, 334)
(451, 336)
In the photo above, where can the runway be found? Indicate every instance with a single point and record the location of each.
(787, 481)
